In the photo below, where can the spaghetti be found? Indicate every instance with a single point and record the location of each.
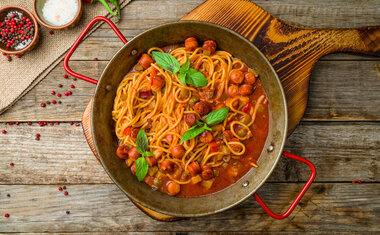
(155, 100)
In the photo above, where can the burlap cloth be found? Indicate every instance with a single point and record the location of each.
(20, 75)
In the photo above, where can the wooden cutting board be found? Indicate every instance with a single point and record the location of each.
(292, 51)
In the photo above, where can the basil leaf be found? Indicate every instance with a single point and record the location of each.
(195, 78)
(166, 61)
(206, 127)
(183, 71)
(185, 66)
(141, 168)
(216, 116)
(147, 154)
(192, 133)
(182, 78)
(142, 142)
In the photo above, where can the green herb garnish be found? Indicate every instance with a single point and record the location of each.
(166, 61)
(186, 74)
(212, 118)
(143, 149)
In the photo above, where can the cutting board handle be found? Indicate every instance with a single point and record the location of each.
(364, 40)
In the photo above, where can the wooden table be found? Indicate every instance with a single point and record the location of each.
(340, 134)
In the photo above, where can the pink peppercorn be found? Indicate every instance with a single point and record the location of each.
(6, 215)
(11, 164)
(66, 193)
(52, 92)
(56, 123)
(53, 102)
(60, 188)
(38, 135)
(17, 123)
(43, 105)
(4, 53)
(65, 76)
(10, 123)
(96, 59)
(51, 123)
(71, 123)
(69, 93)
(29, 123)
(19, 56)
(66, 94)
(72, 86)
(359, 181)
(76, 124)
(45, 123)
(51, 32)
(59, 95)
(4, 131)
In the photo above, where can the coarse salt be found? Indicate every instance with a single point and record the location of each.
(60, 12)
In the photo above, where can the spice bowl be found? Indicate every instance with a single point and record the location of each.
(58, 15)
(20, 37)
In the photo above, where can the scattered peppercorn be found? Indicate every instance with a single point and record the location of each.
(66, 193)
(59, 94)
(8, 195)
(66, 94)
(43, 105)
(75, 79)
(72, 86)
(11, 164)
(4, 53)
(29, 123)
(9, 58)
(47, 102)
(59, 102)
(76, 124)
(56, 123)
(60, 188)
(52, 92)
(96, 59)
(19, 56)
(6, 215)
(4, 131)
(67, 212)
(10, 123)
(359, 181)
(69, 93)
(51, 123)
(65, 76)
(51, 32)
(71, 123)
(17, 123)
(45, 123)
(60, 85)
(64, 187)
(53, 102)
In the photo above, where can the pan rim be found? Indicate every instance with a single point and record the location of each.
(279, 147)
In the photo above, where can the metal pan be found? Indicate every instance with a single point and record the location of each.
(105, 139)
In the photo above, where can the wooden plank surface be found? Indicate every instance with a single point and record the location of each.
(103, 207)
(339, 90)
(340, 152)
(339, 134)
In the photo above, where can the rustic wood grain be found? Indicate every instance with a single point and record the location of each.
(326, 207)
(339, 90)
(342, 89)
(340, 152)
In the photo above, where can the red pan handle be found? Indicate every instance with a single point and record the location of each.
(80, 38)
(299, 196)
